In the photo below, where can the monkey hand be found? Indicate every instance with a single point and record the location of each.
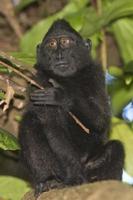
(48, 96)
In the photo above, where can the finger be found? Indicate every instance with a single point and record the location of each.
(42, 93)
(50, 103)
(42, 98)
(37, 95)
(39, 91)
(39, 103)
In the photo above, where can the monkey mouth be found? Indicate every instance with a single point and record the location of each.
(61, 65)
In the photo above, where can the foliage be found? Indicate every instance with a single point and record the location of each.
(72, 10)
(123, 32)
(111, 12)
(12, 188)
(87, 17)
(8, 141)
(123, 132)
(121, 89)
(116, 18)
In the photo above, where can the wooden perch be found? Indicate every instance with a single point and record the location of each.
(102, 190)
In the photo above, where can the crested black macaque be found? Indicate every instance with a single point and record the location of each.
(55, 148)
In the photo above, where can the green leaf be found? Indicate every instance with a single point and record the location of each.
(3, 70)
(2, 95)
(21, 63)
(36, 34)
(128, 79)
(115, 71)
(111, 12)
(123, 32)
(8, 141)
(123, 132)
(18, 118)
(129, 67)
(120, 94)
(12, 188)
(96, 39)
(79, 3)
(24, 58)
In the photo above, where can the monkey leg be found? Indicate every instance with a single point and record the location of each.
(60, 141)
(107, 164)
(37, 154)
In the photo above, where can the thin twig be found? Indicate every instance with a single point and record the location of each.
(7, 9)
(21, 74)
(79, 123)
(17, 87)
(104, 43)
(104, 50)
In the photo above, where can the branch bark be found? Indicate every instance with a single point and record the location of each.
(103, 190)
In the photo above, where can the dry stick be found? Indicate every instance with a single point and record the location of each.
(17, 87)
(104, 44)
(104, 50)
(86, 130)
(21, 74)
(79, 122)
(7, 9)
(12, 59)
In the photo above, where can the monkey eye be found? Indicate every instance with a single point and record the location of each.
(66, 42)
(52, 43)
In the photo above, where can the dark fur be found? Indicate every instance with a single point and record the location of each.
(55, 149)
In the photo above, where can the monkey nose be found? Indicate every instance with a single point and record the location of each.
(59, 54)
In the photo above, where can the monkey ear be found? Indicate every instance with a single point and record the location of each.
(88, 43)
(38, 54)
(38, 48)
(38, 51)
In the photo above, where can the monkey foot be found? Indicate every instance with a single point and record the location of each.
(44, 187)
